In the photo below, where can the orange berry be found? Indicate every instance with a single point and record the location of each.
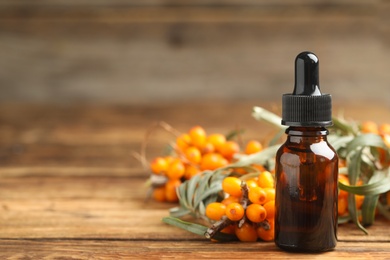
(217, 140)
(359, 201)
(215, 210)
(369, 127)
(198, 136)
(193, 154)
(208, 148)
(384, 129)
(159, 165)
(270, 208)
(253, 146)
(270, 194)
(234, 211)
(246, 233)
(232, 186)
(183, 141)
(176, 169)
(159, 194)
(342, 205)
(344, 180)
(266, 180)
(190, 171)
(229, 229)
(229, 149)
(212, 161)
(252, 183)
(230, 199)
(257, 195)
(170, 190)
(256, 213)
(267, 235)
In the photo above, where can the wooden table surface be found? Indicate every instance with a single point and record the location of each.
(70, 188)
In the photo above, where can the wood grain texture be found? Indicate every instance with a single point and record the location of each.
(69, 188)
(134, 52)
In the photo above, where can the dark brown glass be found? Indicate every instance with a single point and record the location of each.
(306, 191)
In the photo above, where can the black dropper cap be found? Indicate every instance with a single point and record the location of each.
(307, 106)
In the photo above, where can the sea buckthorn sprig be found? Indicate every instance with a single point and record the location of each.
(194, 152)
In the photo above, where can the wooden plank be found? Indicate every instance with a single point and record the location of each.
(108, 249)
(102, 207)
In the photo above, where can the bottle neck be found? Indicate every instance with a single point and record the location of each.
(307, 131)
(299, 134)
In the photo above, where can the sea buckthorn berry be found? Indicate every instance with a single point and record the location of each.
(256, 213)
(253, 146)
(190, 171)
(342, 205)
(229, 149)
(246, 233)
(270, 194)
(369, 127)
(159, 194)
(183, 142)
(217, 140)
(344, 180)
(212, 161)
(159, 165)
(252, 183)
(267, 234)
(270, 208)
(234, 211)
(215, 210)
(208, 148)
(257, 195)
(232, 186)
(229, 229)
(198, 136)
(176, 169)
(359, 201)
(193, 154)
(266, 180)
(230, 200)
(384, 129)
(170, 190)
(169, 159)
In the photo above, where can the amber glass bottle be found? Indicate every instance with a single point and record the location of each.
(306, 167)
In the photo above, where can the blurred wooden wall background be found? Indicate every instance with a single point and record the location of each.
(146, 51)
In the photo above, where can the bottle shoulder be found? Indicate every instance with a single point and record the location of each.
(320, 149)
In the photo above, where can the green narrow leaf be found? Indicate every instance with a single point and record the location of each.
(276, 138)
(191, 186)
(214, 189)
(365, 140)
(378, 187)
(353, 212)
(178, 212)
(260, 113)
(231, 135)
(257, 158)
(368, 209)
(182, 195)
(197, 229)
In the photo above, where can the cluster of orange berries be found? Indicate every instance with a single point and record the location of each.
(249, 207)
(194, 152)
